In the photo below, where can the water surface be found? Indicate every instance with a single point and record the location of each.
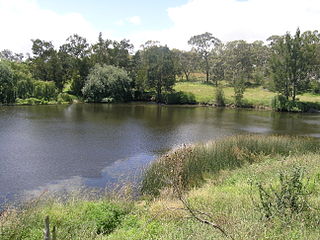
(97, 145)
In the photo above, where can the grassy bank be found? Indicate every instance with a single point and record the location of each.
(257, 97)
(222, 179)
(188, 166)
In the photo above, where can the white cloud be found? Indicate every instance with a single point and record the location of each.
(22, 20)
(120, 23)
(231, 19)
(135, 20)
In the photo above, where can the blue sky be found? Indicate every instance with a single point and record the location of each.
(171, 22)
(106, 14)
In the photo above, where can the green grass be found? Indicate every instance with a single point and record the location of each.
(229, 193)
(231, 199)
(187, 166)
(221, 179)
(257, 97)
(76, 218)
(309, 97)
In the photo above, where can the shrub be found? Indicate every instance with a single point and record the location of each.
(44, 90)
(66, 97)
(7, 84)
(25, 88)
(33, 101)
(107, 82)
(315, 87)
(239, 88)
(107, 216)
(74, 218)
(179, 98)
(219, 97)
(282, 104)
(287, 199)
(279, 103)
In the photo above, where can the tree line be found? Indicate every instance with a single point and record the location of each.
(111, 71)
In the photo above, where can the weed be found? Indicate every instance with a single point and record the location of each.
(288, 199)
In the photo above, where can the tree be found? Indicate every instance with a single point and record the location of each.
(76, 52)
(101, 51)
(120, 54)
(160, 70)
(107, 82)
(139, 75)
(46, 64)
(204, 44)
(23, 77)
(217, 65)
(42, 52)
(186, 62)
(7, 84)
(239, 66)
(293, 62)
(8, 55)
(260, 55)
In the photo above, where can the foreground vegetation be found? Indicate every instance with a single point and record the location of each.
(222, 182)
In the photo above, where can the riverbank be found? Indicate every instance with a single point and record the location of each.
(225, 188)
(199, 93)
(254, 97)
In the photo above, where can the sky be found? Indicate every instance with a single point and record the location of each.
(171, 22)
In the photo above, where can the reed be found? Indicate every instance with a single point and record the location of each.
(186, 166)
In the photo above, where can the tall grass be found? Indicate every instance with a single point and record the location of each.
(75, 217)
(186, 167)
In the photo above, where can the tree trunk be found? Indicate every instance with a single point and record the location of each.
(294, 92)
(187, 76)
(207, 70)
(159, 89)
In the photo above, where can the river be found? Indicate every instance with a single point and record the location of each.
(101, 145)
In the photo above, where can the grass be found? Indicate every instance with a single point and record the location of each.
(187, 166)
(76, 218)
(227, 196)
(225, 173)
(257, 97)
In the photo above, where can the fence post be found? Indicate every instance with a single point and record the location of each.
(47, 229)
(54, 233)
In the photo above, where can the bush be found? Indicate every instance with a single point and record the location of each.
(107, 216)
(65, 97)
(179, 98)
(239, 88)
(74, 218)
(315, 87)
(107, 82)
(287, 199)
(31, 101)
(219, 97)
(282, 104)
(44, 90)
(25, 88)
(278, 103)
(7, 84)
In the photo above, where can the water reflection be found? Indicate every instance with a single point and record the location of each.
(45, 146)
